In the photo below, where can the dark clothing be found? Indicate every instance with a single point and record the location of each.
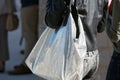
(113, 32)
(29, 2)
(91, 12)
(114, 67)
(4, 52)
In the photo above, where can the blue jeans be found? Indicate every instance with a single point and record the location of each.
(114, 67)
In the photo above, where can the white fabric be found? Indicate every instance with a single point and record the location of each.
(58, 55)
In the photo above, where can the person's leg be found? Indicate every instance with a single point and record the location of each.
(30, 27)
(4, 55)
(114, 67)
(30, 33)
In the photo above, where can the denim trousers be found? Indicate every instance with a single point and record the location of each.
(114, 67)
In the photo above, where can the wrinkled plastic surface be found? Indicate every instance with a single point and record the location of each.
(58, 55)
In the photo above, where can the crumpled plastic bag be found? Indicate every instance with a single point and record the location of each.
(58, 54)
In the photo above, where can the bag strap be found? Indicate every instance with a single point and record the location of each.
(72, 8)
(75, 13)
(67, 11)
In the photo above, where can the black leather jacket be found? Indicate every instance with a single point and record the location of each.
(91, 12)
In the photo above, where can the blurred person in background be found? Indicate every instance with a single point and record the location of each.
(113, 32)
(29, 18)
(4, 51)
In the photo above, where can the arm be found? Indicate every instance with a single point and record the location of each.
(114, 29)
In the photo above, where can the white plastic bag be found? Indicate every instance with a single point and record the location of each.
(58, 55)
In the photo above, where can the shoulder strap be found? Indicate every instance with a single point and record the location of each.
(74, 12)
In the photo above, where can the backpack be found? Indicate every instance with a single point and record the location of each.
(55, 13)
